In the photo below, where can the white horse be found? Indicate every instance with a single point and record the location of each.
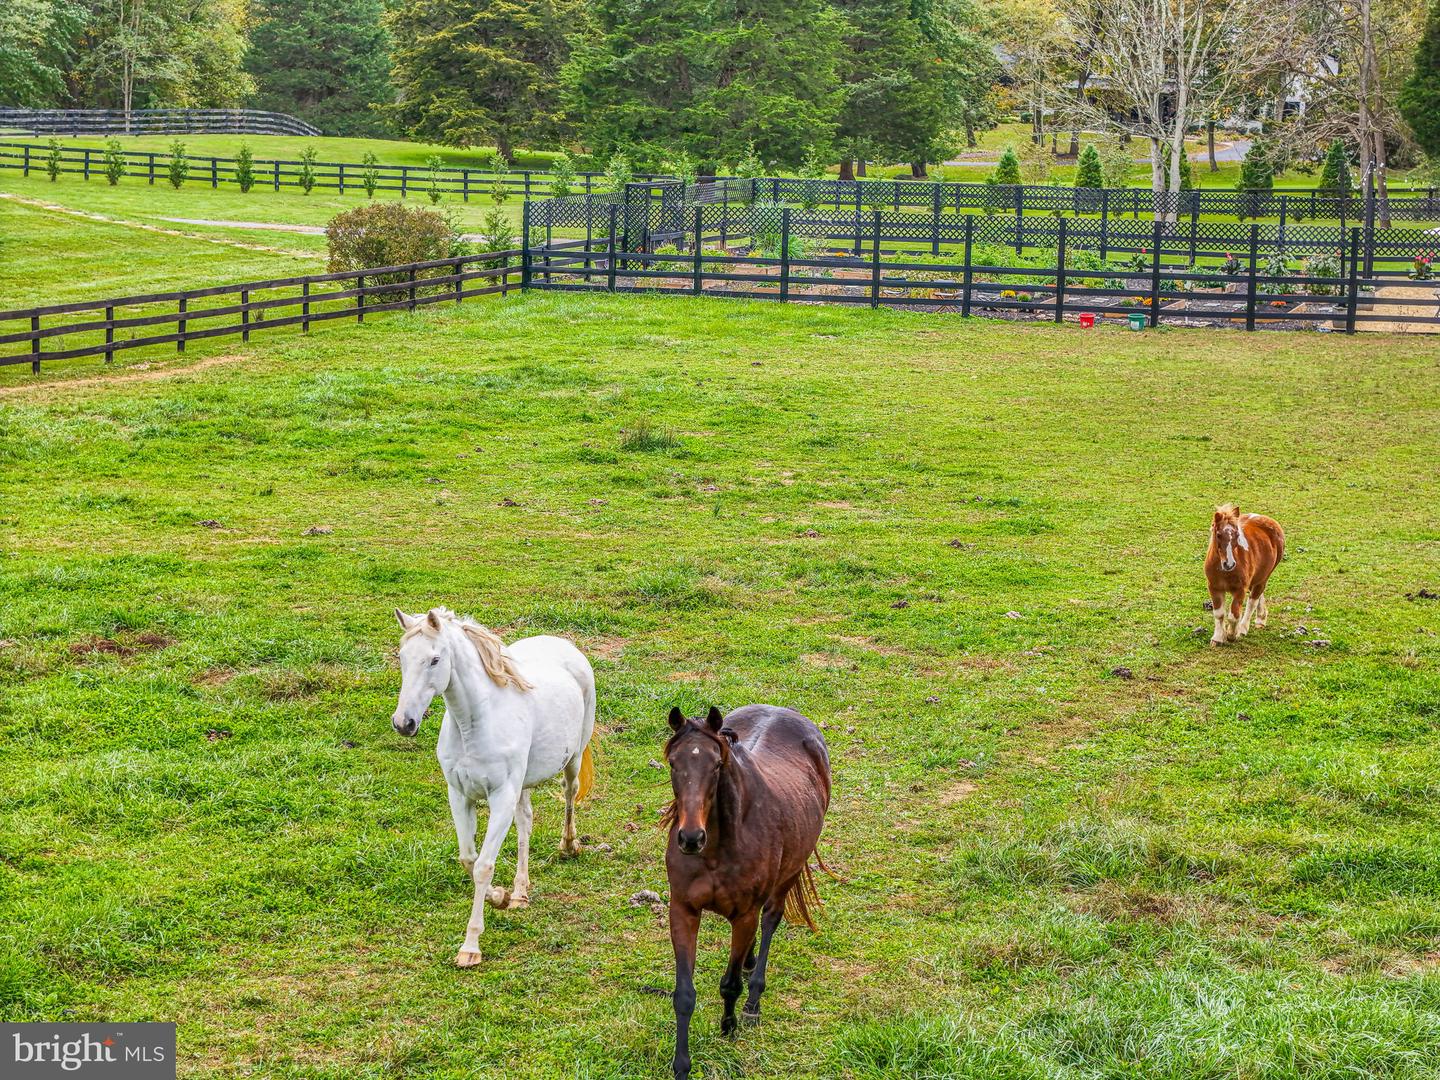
(514, 717)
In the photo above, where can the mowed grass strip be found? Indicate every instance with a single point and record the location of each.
(1073, 840)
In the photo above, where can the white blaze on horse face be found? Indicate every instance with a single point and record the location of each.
(424, 675)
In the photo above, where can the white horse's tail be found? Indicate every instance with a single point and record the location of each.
(587, 770)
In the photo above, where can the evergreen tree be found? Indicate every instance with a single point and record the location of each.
(1187, 174)
(658, 76)
(895, 105)
(1088, 173)
(1335, 175)
(325, 61)
(1420, 96)
(471, 71)
(1257, 171)
(1008, 169)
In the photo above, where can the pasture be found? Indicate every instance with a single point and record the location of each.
(1075, 841)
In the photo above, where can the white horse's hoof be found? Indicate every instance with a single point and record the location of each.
(467, 958)
(570, 851)
(498, 897)
(518, 903)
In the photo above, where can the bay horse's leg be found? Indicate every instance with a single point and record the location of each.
(684, 929)
(769, 920)
(1217, 608)
(502, 802)
(742, 945)
(569, 842)
(518, 895)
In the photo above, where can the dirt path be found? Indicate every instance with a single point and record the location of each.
(1425, 301)
(88, 215)
(145, 371)
(276, 226)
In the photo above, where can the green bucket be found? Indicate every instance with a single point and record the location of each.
(1138, 319)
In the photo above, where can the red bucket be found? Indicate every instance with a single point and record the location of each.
(1087, 320)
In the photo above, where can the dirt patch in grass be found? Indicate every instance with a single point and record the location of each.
(129, 645)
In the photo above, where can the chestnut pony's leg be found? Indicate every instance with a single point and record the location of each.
(684, 929)
(742, 942)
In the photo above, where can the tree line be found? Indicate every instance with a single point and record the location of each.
(691, 85)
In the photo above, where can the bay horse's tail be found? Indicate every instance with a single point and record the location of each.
(803, 895)
(587, 771)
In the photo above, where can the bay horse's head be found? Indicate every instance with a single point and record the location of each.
(424, 667)
(698, 753)
(1226, 534)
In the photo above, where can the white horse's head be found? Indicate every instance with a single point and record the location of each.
(425, 664)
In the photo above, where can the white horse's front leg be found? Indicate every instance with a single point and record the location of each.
(502, 813)
(462, 812)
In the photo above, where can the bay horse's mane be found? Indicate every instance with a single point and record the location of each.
(491, 648)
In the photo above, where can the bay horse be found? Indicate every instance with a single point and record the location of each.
(514, 717)
(1244, 550)
(751, 791)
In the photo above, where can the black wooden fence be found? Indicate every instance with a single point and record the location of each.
(1150, 288)
(274, 174)
(152, 122)
(105, 327)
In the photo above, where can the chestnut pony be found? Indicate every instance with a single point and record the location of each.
(1244, 549)
(751, 791)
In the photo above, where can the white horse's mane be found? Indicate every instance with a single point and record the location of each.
(498, 663)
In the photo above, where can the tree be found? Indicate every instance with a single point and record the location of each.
(1257, 171)
(1335, 175)
(1419, 99)
(1007, 171)
(962, 59)
(894, 105)
(1088, 173)
(325, 61)
(471, 71)
(653, 77)
(37, 44)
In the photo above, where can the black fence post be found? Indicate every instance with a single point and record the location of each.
(342, 178)
(404, 180)
(244, 314)
(275, 174)
(465, 185)
(152, 169)
(359, 298)
(785, 254)
(875, 261)
(180, 328)
(412, 289)
(969, 276)
(87, 163)
(26, 173)
(697, 283)
(214, 173)
(1250, 279)
(1155, 278)
(525, 270)
(35, 345)
(1352, 288)
(305, 307)
(109, 335)
(610, 263)
(935, 219)
(1019, 219)
(1060, 274)
(458, 268)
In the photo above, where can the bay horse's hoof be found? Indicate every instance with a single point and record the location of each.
(467, 958)
(749, 1019)
(728, 1026)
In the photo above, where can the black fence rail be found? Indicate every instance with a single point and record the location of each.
(274, 174)
(105, 327)
(644, 221)
(1152, 288)
(152, 122)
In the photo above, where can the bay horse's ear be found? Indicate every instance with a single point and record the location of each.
(714, 718)
(404, 620)
(677, 718)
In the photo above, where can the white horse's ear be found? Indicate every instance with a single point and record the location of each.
(714, 718)
(405, 621)
(677, 718)
(433, 618)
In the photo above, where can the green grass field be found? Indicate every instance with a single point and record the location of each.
(1076, 843)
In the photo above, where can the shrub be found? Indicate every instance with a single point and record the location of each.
(245, 168)
(369, 174)
(1277, 265)
(178, 168)
(114, 162)
(53, 161)
(307, 169)
(682, 165)
(434, 164)
(1008, 170)
(499, 231)
(1335, 174)
(749, 167)
(389, 234)
(617, 173)
(562, 176)
(1088, 173)
(1257, 171)
(1324, 266)
(1116, 164)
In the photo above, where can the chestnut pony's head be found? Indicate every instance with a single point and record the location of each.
(1226, 534)
(698, 753)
